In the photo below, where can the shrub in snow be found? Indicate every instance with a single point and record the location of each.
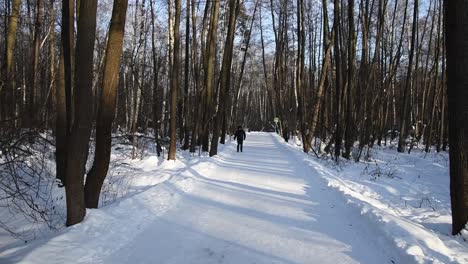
(29, 196)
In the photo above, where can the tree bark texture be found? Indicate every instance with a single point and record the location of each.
(106, 110)
(78, 143)
(456, 16)
(175, 83)
(225, 79)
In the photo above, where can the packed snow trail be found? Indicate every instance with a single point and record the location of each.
(258, 206)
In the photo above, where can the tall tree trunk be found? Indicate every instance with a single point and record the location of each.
(61, 131)
(225, 79)
(443, 104)
(457, 77)
(438, 89)
(33, 92)
(78, 143)
(198, 107)
(327, 44)
(106, 110)
(350, 128)
(9, 99)
(209, 72)
(202, 123)
(237, 90)
(187, 80)
(300, 75)
(174, 82)
(362, 87)
(405, 109)
(64, 89)
(339, 80)
(156, 96)
(50, 98)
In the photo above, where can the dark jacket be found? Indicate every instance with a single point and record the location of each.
(240, 135)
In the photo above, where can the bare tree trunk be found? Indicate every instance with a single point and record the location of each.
(350, 128)
(406, 95)
(457, 78)
(61, 131)
(33, 92)
(300, 75)
(209, 72)
(106, 110)
(443, 105)
(9, 99)
(269, 88)
(438, 89)
(175, 82)
(280, 67)
(156, 66)
(225, 79)
(339, 80)
(64, 90)
(362, 87)
(78, 144)
(198, 107)
(50, 97)
(187, 80)
(327, 43)
(234, 102)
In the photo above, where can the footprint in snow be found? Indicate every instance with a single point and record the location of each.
(219, 257)
(209, 252)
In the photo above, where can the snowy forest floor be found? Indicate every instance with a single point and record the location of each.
(269, 204)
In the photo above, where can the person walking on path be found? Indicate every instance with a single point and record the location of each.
(240, 135)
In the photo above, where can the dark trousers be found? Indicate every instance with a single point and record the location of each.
(239, 145)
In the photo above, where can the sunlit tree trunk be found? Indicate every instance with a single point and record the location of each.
(175, 82)
(225, 78)
(61, 130)
(209, 72)
(327, 45)
(9, 94)
(33, 88)
(106, 110)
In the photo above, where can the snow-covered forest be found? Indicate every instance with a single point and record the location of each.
(233, 131)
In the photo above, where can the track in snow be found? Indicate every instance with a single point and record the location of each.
(259, 206)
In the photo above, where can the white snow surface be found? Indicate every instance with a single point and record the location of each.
(269, 204)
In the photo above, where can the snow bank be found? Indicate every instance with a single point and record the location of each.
(405, 197)
(136, 192)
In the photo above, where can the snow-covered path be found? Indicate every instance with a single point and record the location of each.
(259, 206)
